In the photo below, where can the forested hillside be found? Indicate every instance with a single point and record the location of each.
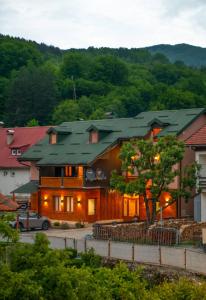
(43, 84)
(190, 55)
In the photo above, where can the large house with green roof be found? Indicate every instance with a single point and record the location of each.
(75, 162)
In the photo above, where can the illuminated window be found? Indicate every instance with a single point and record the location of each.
(52, 138)
(69, 204)
(58, 203)
(93, 137)
(91, 207)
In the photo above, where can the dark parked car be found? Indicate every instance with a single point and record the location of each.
(32, 221)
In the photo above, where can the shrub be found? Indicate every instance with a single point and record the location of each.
(64, 226)
(79, 225)
(56, 224)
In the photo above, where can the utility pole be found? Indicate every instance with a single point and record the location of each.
(74, 89)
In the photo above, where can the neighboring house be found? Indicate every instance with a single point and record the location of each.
(13, 143)
(76, 159)
(197, 142)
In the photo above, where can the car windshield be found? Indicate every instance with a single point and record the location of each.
(31, 215)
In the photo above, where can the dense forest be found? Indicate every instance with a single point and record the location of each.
(42, 84)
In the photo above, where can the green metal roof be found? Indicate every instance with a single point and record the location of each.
(74, 148)
(27, 188)
(178, 120)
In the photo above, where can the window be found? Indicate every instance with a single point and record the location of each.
(94, 137)
(63, 204)
(69, 203)
(5, 173)
(13, 152)
(91, 207)
(58, 203)
(12, 174)
(52, 138)
(71, 171)
(18, 152)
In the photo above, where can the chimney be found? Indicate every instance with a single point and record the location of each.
(10, 136)
(1, 124)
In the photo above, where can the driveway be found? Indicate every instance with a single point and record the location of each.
(69, 233)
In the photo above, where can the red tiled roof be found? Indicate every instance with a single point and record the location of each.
(198, 138)
(24, 137)
(7, 204)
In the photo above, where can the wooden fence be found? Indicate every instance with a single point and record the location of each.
(136, 234)
(184, 258)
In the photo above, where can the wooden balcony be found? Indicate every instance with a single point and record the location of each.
(57, 182)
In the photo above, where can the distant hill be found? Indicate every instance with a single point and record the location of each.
(190, 55)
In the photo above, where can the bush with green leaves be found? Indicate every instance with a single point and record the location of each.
(35, 271)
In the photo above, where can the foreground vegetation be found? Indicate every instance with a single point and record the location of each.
(38, 272)
(45, 85)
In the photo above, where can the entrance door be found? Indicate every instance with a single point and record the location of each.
(91, 210)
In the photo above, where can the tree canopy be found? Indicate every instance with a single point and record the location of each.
(36, 80)
(155, 166)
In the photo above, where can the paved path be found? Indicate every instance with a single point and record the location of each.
(69, 233)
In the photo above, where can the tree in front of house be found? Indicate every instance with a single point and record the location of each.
(155, 167)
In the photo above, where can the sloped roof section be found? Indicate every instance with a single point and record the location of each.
(27, 188)
(6, 204)
(24, 137)
(198, 138)
(75, 148)
(178, 120)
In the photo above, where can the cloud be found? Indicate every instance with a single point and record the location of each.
(116, 23)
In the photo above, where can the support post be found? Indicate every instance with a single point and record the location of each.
(185, 258)
(160, 256)
(27, 220)
(17, 221)
(109, 249)
(85, 245)
(133, 252)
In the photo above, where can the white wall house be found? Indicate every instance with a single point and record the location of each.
(13, 142)
(11, 178)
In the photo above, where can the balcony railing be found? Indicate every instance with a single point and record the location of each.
(61, 182)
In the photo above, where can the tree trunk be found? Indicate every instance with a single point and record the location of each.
(147, 211)
(154, 210)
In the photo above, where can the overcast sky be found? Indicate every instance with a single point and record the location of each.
(112, 23)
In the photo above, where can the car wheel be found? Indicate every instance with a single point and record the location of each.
(45, 225)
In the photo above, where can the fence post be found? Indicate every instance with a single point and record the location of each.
(160, 256)
(74, 241)
(133, 252)
(85, 245)
(185, 258)
(109, 249)
(17, 221)
(65, 242)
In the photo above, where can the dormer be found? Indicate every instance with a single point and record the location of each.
(98, 132)
(156, 126)
(57, 134)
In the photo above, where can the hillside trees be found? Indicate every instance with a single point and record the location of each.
(36, 79)
(32, 94)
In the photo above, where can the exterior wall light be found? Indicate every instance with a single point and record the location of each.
(79, 202)
(167, 200)
(46, 203)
